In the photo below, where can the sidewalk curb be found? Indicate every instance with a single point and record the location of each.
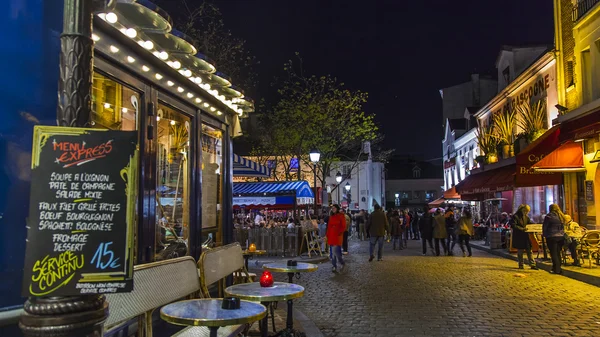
(544, 265)
(308, 326)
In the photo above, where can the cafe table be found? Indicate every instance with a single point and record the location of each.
(247, 253)
(282, 267)
(208, 312)
(280, 291)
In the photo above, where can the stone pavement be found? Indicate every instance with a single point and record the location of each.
(412, 295)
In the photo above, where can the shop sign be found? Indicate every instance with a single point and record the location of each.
(81, 212)
(589, 190)
(238, 201)
(450, 163)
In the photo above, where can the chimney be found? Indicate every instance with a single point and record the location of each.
(476, 89)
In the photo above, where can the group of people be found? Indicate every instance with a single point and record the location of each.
(558, 229)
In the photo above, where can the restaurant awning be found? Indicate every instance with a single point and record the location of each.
(497, 180)
(243, 167)
(437, 202)
(451, 193)
(300, 189)
(566, 158)
(526, 176)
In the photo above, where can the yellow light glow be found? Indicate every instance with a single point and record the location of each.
(180, 89)
(131, 32)
(158, 76)
(95, 37)
(145, 68)
(172, 122)
(111, 17)
(170, 83)
(114, 49)
(130, 59)
(148, 45)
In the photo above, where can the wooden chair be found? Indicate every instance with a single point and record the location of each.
(155, 285)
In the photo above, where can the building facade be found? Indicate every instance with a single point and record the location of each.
(412, 184)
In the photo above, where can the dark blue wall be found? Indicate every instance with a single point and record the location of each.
(29, 49)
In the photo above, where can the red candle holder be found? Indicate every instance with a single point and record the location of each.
(266, 280)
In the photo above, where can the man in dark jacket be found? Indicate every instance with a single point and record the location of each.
(426, 229)
(377, 226)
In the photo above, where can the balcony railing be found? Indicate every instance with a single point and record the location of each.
(582, 7)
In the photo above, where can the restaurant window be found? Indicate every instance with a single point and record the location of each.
(172, 183)
(570, 74)
(114, 106)
(212, 195)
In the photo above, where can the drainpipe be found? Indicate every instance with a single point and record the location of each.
(71, 316)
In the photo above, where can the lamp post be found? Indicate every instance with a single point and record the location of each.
(315, 155)
(348, 187)
(338, 179)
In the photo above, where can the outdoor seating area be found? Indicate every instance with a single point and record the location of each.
(285, 242)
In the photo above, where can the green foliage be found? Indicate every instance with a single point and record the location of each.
(486, 139)
(504, 125)
(533, 119)
(316, 112)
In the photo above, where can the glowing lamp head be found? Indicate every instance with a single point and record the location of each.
(315, 155)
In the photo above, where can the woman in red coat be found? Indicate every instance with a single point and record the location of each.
(335, 231)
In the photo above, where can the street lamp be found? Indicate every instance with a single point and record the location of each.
(315, 155)
(338, 178)
(347, 187)
(397, 201)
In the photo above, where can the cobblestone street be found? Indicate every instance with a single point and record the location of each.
(408, 294)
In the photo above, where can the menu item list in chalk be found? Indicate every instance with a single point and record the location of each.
(81, 212)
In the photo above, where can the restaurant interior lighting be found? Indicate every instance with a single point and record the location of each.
(190, 95)
(206, 105)
(124, 110)
(219, 113)
(170, 83)
(145, 68)
(106, 105)
(172, 122)
(130, 59)
(176, 64)
(180, 89)
(148, 44)
(95, 37)
(187, 73)
(114, 49)
(111, 17)
(198, 100)
(163, 55)
(158, 76)
(213, 109)
(197, 80)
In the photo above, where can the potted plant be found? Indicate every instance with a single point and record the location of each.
(487, 142)
(504, 125)
(533, 119)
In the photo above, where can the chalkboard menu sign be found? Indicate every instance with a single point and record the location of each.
(589, 190)
(81, 212)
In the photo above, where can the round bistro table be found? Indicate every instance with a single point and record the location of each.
(208, 312)
(282, 267)
(247, 253)
(280, 291)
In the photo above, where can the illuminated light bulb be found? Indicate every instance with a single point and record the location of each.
(131, 32)
(124, 110)
(111, 17)
(95, 37)
(176, 64)
(213, 109)
(197, 80)
(106, 105)
(158, 76)
(148, 45)
(206, 105)
(187, 73)
(170, 83)
(156, 53)
(198, 100)
(180, 89)
(157, 118)
(102, 16)
(240, 111)
(114, 49)
(172, 122)
(221, 97)
(163, 55)
(144, 68)
(130, 59)
(219, 113)
(190, 95)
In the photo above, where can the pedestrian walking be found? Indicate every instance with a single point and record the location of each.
(377, 226)
(450, 230)
(426, 230)
(465, 230)
(520, 238)
(405, 220)
(553, 230)
(439, 232)
(335, 232)
(396, 230)
(414, 225)
(360, 224)
(346, 232)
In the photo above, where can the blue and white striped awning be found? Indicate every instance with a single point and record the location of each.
(301, 188)
(243, 167)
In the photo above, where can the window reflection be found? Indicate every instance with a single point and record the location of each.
(172, 183)
(114, 106)
(212, 157)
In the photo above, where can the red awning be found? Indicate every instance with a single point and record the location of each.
(497, 180)
(567, 158)
(536, 151)
(581, 128)
(451, 193)
(437, 202)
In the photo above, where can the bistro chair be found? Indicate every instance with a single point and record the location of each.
(590, 246)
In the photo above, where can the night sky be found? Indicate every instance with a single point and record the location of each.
(400, 52)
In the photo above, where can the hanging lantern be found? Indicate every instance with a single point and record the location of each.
(266, 280)
(252, 248)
